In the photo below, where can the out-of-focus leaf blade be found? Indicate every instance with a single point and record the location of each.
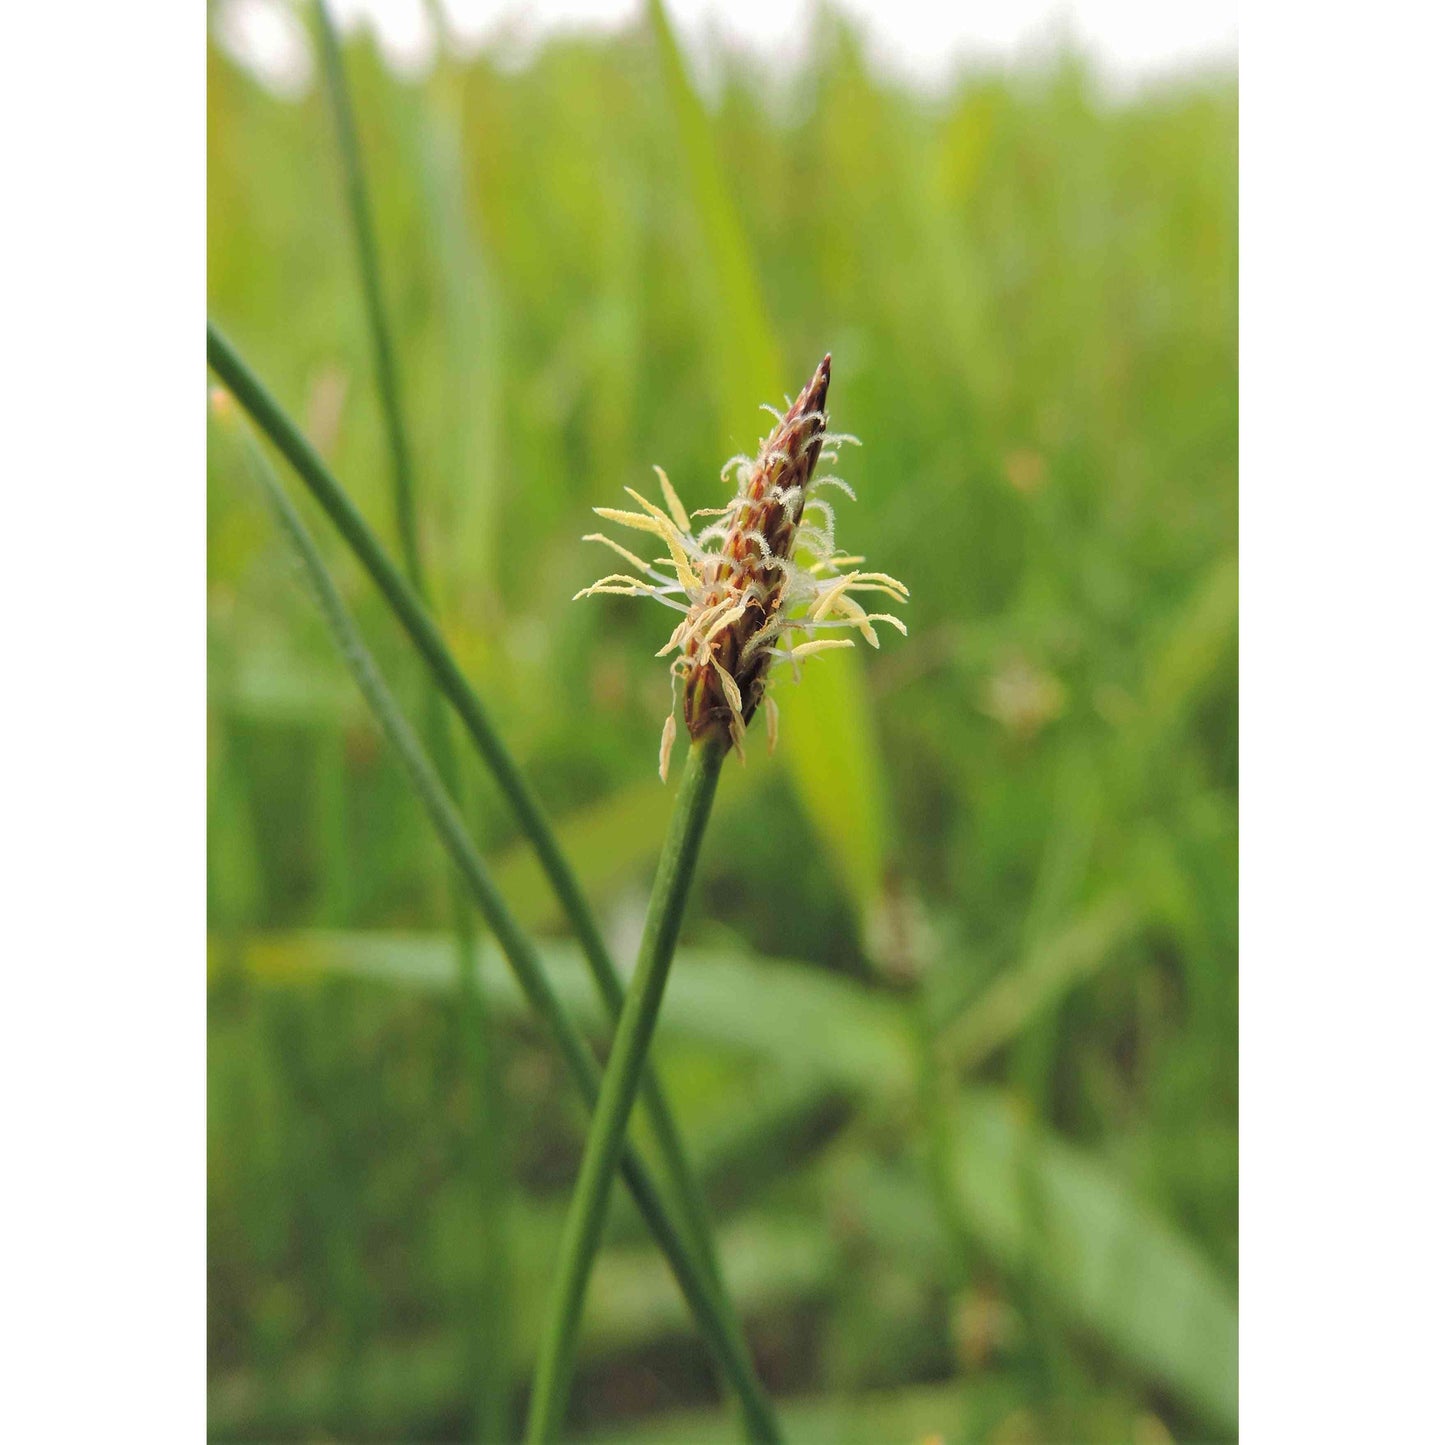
(746, 359)
(1197, 644)
(473, 335)
(1043, 1209)
(1040, 1205)
(828, 738)
(1058, 963)
(1036, 1203)
(770, 1263)
(270, 683)
(809, 1021)
(607, 843)
(946, 1413)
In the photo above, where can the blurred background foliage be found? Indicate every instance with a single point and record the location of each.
(953, 1034)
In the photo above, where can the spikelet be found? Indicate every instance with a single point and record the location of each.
(744, 594)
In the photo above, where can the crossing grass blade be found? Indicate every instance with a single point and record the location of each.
(491, 1345)
(696, 1281)
(447, 674)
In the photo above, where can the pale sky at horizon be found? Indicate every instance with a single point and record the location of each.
(1130, 42)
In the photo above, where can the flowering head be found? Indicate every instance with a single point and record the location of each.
(762, 580)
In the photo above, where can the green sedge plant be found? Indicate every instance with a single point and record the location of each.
(760, 580)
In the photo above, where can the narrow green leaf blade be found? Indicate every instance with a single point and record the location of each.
(827, 735)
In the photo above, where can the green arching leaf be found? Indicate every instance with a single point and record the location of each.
(485, 1161)
(700, 1283)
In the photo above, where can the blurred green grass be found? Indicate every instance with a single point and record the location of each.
(1029, 290)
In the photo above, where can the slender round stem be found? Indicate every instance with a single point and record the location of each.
(388, 383)
(697, 1287)
(588, 1210)
(268, 414)
(489, 1335)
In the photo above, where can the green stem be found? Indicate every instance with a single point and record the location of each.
(487, 1330)
(698, 1289)
(387, 383)
(287, 438)
(588, 1210)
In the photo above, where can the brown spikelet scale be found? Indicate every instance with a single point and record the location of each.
(749, 572)
(745, 593)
